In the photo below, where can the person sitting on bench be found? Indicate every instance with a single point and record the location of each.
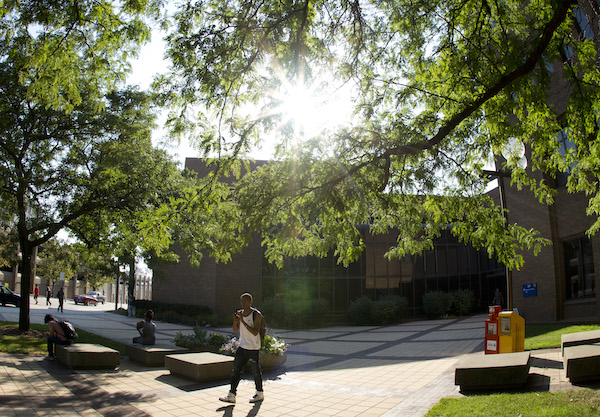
(147, 329)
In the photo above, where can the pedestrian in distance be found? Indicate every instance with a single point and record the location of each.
(247, 322)
(498, 299)
(147, 330)
(61, 299)
(54, 336)
(36, 293)
(48, 295)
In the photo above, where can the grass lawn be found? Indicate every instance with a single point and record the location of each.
(582, 402)
(545, 336)
(33, 342)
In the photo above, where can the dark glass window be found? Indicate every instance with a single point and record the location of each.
(565, 145)
(583, 25)
(340, 290)
(355, 287)
(579, 268)
(449, 266)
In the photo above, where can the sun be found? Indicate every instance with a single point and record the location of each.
(315, 108)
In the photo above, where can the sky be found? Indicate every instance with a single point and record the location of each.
(149, 63)
(311, 112)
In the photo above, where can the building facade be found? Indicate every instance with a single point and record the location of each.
(449, 266)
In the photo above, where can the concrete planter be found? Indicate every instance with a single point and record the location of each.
(271, 361)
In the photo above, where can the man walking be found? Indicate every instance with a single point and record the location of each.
(48, 295)
(61, 299)
(247, 321)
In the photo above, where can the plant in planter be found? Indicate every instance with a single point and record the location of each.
(274, 345)
(200, 341)
(272, 352)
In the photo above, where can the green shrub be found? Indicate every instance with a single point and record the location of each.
(294, 314)
(384, 312)
(217, 339)
(401, 304)
(319, 309)
(436, 304)
(191, 315)
(359, 311)
(199, 339)
(297, 314)
(389, 309)
(273, 311)
(462, 302)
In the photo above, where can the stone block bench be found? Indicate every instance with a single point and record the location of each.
(152, 355)
(87, 356)
(579, 338)
(492, 372)
(582, 363)
(200, 367)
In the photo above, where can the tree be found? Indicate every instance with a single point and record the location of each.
(130, 234)
(61, 116)
(94, 266)
(441, 88)
(55, 257)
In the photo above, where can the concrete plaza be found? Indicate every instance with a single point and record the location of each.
(398, 370)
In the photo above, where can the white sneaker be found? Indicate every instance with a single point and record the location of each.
(230, 398)
(49, 358)
(259, 396)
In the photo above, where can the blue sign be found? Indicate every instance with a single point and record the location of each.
(530, 290)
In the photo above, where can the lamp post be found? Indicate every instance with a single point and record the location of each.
(500, 175)
(117, 272)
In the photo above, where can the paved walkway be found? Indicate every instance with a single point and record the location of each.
(399, 370)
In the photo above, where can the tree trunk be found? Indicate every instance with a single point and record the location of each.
(27, 272)
(132, 275)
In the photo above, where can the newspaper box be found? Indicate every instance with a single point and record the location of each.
(511, 329)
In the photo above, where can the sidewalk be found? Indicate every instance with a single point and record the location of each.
(400, 370)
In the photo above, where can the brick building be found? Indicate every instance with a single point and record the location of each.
(449, 266)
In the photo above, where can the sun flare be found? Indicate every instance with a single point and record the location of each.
(313, 109)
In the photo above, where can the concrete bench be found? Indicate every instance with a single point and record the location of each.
(152, 355)
(582, 363)
(492, 372)
(201, 367)
(87, 356)
(579, 338)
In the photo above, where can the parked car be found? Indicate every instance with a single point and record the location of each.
(97, 295)
(85, 300)
(9, 297)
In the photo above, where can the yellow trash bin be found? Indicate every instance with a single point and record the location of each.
(511, 332)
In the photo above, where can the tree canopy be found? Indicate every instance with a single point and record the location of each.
(440, 89)
(65, 127)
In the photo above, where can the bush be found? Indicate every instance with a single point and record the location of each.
(199, 339)
(294, 314)
(273, 311)
(462, 302)
(388, 309)
(359, 311)
(436, 304)
(217, 339)
(384, 311)
(318, 312)
(192, 315)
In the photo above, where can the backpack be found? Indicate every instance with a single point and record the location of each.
(68, 330)
(263, 326)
